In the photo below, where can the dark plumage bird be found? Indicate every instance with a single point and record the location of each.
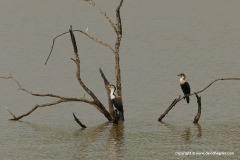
(116, 100)
(185, 86)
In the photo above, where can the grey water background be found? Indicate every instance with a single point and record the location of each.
(160, 40)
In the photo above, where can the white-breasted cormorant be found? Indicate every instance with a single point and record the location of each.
(116, 100)
(185, 86)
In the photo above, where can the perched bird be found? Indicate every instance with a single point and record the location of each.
(185, 86)
(116, 100)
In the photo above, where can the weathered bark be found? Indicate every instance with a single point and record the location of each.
(197, 117)
(117, 47)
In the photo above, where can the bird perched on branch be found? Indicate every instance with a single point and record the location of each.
(116, 100)
(185, 86)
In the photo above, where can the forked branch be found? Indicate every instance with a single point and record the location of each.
(97, 103)
(84, 33)
(198, 99)
(59, 99)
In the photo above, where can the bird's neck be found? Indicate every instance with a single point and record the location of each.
(182, 80)
(112, 95)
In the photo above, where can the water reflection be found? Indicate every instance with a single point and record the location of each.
(186, 135)
(94, 131)
(199, 129)
(116, 140)
(105, 138)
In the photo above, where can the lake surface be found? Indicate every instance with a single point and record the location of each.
(160, 40)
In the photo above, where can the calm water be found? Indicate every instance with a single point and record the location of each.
(161, 39)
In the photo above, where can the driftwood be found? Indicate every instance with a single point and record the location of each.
(175, 101)
(110, 115)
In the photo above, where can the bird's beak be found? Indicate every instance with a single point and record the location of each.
(178, 75)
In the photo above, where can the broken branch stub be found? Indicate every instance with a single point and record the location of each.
(197, 117)
(110, 104)
(78, 121)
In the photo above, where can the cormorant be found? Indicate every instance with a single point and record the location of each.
(116, 100)
(185, 86)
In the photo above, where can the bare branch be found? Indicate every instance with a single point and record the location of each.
(197, 117)
(96, 40)
(60, 99)
(86, 34)
(175, 101)
(103, 13)
(118, 17)
(180, 98)
(34, 108)
(220, 79)
(78, 121)
(97, 103)
(77, 61)
(53, 45)
(10, 112)
(47, 95)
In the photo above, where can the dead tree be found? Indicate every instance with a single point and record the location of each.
(197, 117)
(94, 101)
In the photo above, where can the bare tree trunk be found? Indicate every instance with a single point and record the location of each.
(117, 46)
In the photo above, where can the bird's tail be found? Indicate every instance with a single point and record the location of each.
(187, 99)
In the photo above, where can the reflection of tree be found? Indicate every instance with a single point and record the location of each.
(87, 139)
(199, 129)
(115, 140)
(104, 136)
(186, 135)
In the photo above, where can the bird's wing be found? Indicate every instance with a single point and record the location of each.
(118, 104)
(186, 88)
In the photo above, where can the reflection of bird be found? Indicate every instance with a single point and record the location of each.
(116, 100)
(185, 86)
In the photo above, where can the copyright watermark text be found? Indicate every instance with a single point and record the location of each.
(214, 153)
